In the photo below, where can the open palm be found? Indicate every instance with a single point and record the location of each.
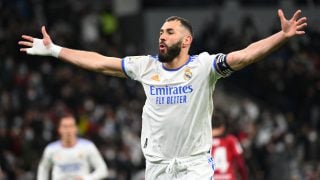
(293, 26)
(29, 41)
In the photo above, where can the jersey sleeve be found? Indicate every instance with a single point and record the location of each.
(100, 170)
(132, 66)
(221, 66)
(44, 166)
(216, 64)
(236, 146)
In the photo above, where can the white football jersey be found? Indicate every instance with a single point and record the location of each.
(176, 118)
(73, 162)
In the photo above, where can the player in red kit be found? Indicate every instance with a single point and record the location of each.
(227, 154)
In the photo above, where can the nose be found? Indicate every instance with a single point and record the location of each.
(162, 38)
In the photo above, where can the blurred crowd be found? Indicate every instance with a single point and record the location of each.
(272, 107)
(34, 91)
(191, 3)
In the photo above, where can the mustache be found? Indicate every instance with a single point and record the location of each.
(163, 43)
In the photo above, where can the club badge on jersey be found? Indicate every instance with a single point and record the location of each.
(187, 74)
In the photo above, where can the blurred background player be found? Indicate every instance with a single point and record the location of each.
(227, 153)
(71, 157)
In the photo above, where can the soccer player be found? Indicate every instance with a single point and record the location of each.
(71, 157)
(176, 121)
(227, 153)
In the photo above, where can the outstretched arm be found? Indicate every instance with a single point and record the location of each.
(85, 59)
(258, 50)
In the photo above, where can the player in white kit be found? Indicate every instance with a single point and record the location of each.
(71, 158)
(176, 127)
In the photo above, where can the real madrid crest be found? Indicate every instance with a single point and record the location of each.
(187, 74)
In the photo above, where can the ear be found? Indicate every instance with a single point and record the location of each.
(187, 40)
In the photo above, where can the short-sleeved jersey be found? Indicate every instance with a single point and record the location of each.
(224, 151)
(176, 118)
(69, 163)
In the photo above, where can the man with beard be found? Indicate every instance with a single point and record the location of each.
(176, 118)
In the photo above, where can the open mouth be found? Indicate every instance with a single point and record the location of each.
(162, 47)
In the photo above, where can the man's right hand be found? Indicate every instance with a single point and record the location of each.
(84, 59)
(43, 47)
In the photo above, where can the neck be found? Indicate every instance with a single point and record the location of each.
(68, 143)
(177, 62)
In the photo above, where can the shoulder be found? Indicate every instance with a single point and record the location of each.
(231, 138)
(233, 141)
(54, 145)
(138, 62)
(85, 144)
(205, 63)
(203, 58)
(132, 59)
(206, 55)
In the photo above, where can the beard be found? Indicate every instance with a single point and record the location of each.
(172, 52)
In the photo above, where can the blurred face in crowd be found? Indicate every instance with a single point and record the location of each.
(68, 130)
(218, 131)
(173, 38)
